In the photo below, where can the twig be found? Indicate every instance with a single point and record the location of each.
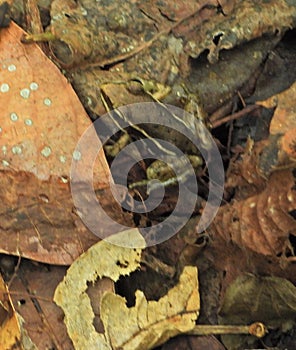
(234, 116)
(33, 21)
(256, 329)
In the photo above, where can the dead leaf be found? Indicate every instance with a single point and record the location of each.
(244, 23)
(284, 117)
(151, 323)
(101, 260)
(10, 327)
(144, 326)
(262, 222)
(42, 120)
(99, 33)
(271, 300)
(32, 292)
(193, 342)
(280, 150)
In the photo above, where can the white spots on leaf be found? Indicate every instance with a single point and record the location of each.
(5, 163)
(16, 150)
(13, 117)
(44, 198)
(64, 179)
(25, 93)
(28, 122)
(76, 155)
(1, 129)
(4, 150)
(252, 205)
(34, 86)
(63, 159)
(4, 87)
(46, 151)
(47, 102)
(11, 68)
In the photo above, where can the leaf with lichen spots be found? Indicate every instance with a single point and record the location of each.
(245, 22)
(42, 120)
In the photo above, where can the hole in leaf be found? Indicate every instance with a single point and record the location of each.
(217, 38)
(123, 264)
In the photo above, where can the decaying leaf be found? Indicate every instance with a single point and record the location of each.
(151, 323)
(245, 22)
(261, 217)
(143, 326)
(42, 120)
(284, 117)
(139, 26)
(155, 40)
(280, 150)
(32, 291)
(263, 222)
(12, 334)
(9, 326)
(249, 298)
(101, 260)
(101, 33)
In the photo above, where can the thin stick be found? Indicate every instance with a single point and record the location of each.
(34, 25)
(256, 329)
(234, 116)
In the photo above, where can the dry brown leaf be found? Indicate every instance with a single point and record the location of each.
(280, 150)
(42, 120)
(245, 22)
(97, 32)
(284, 117)
(11, 334)
(101, 260)
(151, 323)
(193, 342)
(263, 222)
(261, 217)
(32, 292)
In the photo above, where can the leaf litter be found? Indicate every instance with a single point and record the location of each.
(253, 230)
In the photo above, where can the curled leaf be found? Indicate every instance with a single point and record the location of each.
(151, 323)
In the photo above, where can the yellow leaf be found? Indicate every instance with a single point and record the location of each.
(151, 323)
